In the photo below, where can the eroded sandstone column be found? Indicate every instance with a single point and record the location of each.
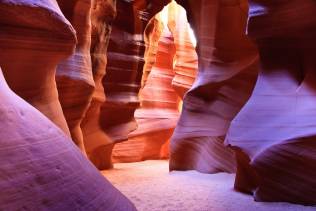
(186, 61)
(225, 79)
(34, 38)
(74, 75)
(97, 143)
(274, 134)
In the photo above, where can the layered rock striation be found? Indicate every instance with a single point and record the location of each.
(226, 76)
(170, 66)
(74, 75)
(274, 133)
(113, 120)
(34, 37)
(42, 169)
(97, 144)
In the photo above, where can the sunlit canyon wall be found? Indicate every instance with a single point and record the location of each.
(169, 70)
(74, 76)
(123, 76)
(96, 141)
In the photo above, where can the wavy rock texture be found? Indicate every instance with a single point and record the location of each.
(122, 81)
(97, 143)
(34, 174)
(37, 36)
(274, 134)
(125, 66)
(186, 61)
(226, 76)
(158, 114)
(74, 75)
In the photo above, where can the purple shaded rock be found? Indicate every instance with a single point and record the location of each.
(274, 134)
(42, 169)
(226, 76)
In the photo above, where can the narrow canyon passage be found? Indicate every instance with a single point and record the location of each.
(157, 105)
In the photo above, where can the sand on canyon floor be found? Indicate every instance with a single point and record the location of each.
(151, 187)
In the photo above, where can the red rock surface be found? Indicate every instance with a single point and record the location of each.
(186, 61)
(115, 117)
(274, 134)
(158, 114)
(225, 79)
(124, 68)
(74, 75)
(97, 143)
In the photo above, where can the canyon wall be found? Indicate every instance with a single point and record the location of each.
(32, 45)
(74, 75)
(125, 66)
(274, 134)
(170, 66)
(110, 75)
(113, 118)
(34, 174)
(186, 59)
(158, 112)
(226, 75)
(40, 166)
(96, 141)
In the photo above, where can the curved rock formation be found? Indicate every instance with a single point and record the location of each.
(122, 81)
(225, 79)
(37, 36)
(41, 169)
(74, 75)
(125, 66)
(274, 134)
(186, 61)
(158, 114)
(97, 143)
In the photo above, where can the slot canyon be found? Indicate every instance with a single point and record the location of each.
(157, 105)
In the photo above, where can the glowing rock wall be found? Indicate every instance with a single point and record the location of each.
(122, 80)
(168, 54)
(96, 141)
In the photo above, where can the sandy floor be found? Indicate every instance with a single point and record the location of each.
(152, 188)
